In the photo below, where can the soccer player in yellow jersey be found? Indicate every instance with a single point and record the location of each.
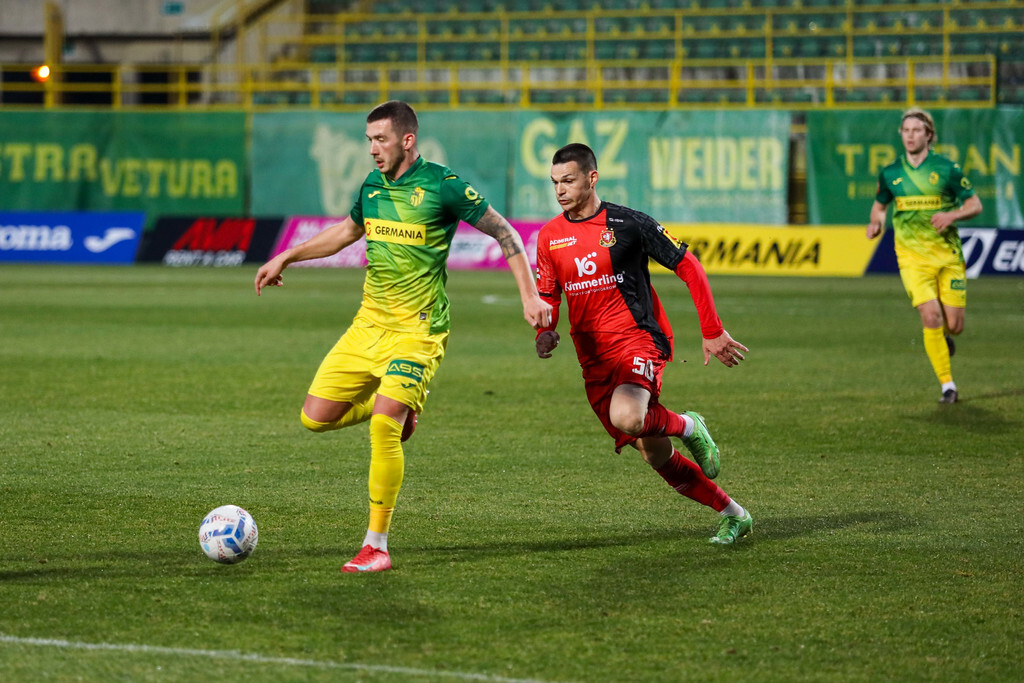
(931, 194)
(408, 210)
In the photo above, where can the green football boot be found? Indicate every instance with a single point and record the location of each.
(702, 447)
(732, 528)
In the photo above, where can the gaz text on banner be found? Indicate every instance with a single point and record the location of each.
(685, 166)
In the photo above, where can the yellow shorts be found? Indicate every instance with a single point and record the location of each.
(923, 282)
(370, 359)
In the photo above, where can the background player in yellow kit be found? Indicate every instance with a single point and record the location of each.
(408, 209)
(927, 189)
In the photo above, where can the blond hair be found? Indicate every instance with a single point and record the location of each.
(925, 118)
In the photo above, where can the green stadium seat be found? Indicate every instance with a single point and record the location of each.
(657, 49)
(730, 95)
(266, 98)
(659, 26)
(865, 46)
(810, 47)
(834, 46)
(607, 26)
(922, 46)
(929, 93)
(693, 96)
(1011, 94)
(358, 97)
(615, 96)
(322, 54)
(967, 94)
(604, 50)
(785, 47)
(707, 48)
(528, 51)
(851, 95)
(706, 25)
(627, 50)
(968, 45)
(484, 52)
(436, 52)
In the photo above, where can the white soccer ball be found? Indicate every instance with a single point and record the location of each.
(228, 534)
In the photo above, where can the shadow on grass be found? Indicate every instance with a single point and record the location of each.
(114, 566)
(765, 529)
(117, 565)
(972, 417)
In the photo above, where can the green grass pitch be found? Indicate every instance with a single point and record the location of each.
(888, 529)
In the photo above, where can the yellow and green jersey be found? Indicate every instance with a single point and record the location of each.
(936, 185)
(409, 224)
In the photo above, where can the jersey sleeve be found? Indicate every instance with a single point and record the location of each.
(356, 214)
(462, 199)
(960, 184)
(692, 273)
(659, 244)
(883, 195)
(547, 284)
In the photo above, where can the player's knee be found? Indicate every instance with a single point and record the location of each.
(956, 326)
(313, 425)
(627, 421)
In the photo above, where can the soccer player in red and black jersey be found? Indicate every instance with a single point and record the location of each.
(596, 254)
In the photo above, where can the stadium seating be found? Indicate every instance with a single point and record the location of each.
(411, 48)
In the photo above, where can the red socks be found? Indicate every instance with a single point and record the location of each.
(661, 421)
(686, 478)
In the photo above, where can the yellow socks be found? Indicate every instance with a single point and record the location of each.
(387, 467)
(387, 463)
(938, 353)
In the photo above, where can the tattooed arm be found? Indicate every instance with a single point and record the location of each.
(536, 311)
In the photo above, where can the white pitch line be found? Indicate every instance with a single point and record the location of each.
(259, 659)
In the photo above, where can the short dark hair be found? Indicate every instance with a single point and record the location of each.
(578, 152)
(402, 116)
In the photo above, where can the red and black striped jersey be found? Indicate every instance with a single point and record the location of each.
(601, 265)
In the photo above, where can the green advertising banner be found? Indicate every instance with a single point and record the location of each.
(683, 166)
(846, 151)
(314, 162)
(160, 163)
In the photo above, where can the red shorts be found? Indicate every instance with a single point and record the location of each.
(609, 360)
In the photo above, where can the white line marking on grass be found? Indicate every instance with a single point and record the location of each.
(234, 655)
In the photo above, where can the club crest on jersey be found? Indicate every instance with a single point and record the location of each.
(607, 238)
(933, 178)
(416, 198)
(670, 237)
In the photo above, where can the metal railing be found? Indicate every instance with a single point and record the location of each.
(788, 83)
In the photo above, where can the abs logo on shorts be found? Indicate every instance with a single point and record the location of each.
(958, 285)
(406, 368)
